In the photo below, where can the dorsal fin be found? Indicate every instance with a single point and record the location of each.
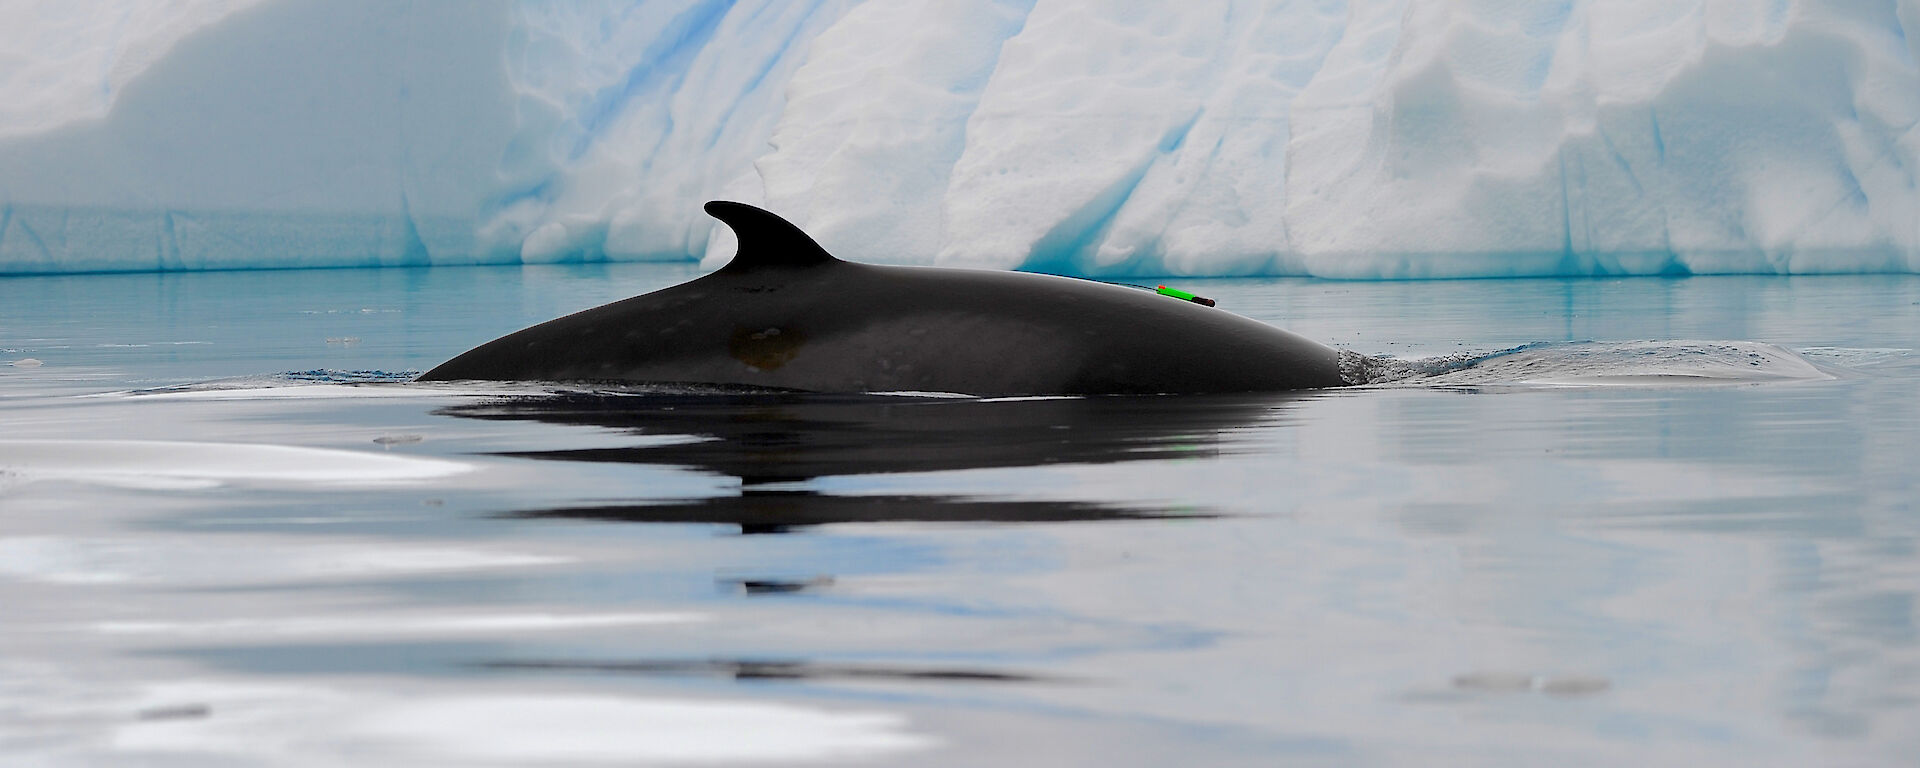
(766, 240)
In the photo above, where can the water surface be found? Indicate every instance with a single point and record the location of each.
(230, 534)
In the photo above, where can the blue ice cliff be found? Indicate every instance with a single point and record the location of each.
(1362, 139)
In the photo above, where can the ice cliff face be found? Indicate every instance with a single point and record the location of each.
(1617, 137)
(1363, 139)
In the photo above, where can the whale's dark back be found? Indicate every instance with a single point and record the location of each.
(785, 314)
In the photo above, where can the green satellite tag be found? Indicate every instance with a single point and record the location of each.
(1183, 295)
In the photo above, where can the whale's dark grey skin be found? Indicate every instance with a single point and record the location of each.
(784, 314)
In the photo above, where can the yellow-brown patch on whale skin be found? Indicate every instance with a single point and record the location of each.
(765, 348)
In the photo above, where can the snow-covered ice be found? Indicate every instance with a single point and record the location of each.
(1361, 139)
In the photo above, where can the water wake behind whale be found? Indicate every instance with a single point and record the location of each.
(1592, 363)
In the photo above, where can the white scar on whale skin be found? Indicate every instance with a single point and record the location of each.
(172, 465)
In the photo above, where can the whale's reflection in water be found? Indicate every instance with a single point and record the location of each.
(764, 511)
(790, 438)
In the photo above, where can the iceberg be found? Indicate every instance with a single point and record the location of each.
(1362, 139)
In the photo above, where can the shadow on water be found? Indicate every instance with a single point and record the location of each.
(764, 439)
(771, 669)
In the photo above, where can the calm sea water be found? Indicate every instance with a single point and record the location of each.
(230, 535)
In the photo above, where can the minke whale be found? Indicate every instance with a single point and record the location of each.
(786, 315)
